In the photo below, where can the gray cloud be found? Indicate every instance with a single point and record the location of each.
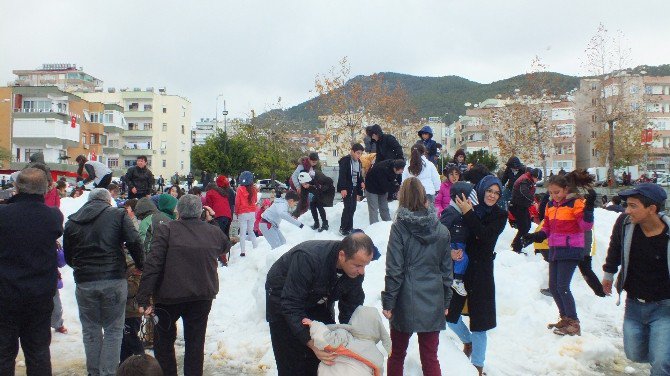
(256, 51)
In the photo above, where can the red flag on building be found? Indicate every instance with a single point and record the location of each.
(94, 157)
(647, 136)
(73, 122)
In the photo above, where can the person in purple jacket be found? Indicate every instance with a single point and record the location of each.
(57, 313)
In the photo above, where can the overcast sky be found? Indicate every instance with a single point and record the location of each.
(253, 52)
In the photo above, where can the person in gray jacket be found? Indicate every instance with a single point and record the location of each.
(419, 273)
(272, 217)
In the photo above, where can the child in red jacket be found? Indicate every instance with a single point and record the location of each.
(245, 208)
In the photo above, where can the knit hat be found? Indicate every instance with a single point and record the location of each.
(460, 188)
(166, 204)
(222, 181)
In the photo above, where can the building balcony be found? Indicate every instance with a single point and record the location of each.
(113, 128)
(44, 131)
(138, 114)
(138, 133)
(24, 113)
(136, 152)
(112, 150)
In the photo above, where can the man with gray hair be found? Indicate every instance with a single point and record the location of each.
(28, 274)
(181, 276)
(93, 246)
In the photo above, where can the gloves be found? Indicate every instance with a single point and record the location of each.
(80, 183)
(536, 237)
(590, 200)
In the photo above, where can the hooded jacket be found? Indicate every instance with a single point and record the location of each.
(304, 282)
(93, 242)
(509, 176)
(151, 217)
(381, 178)
(166, 204)
(387, 147)
(182, 265)
(322, 188)
(28, 233)
(354, 343)
(523, 192)
(419, 272)
(485, 224)
(219, 203)
(430, 144)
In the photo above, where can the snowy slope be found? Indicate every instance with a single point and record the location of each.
(238, 339)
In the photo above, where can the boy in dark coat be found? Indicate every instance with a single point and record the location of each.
(523, 196)
(452, 218)
(426, 135)
(381, 180)
(350, 185)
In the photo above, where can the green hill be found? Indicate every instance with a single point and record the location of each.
(437, 96)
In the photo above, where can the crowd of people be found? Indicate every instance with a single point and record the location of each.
(141, 267)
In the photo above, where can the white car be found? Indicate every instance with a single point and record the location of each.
(268, 184)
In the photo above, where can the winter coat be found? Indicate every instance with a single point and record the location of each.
(322, 188)
(151, 217)
(242, 204)
(443, 198)
(565, 224)
(166, 204)
(381, 178)
(220, 204)
(182, 265)
(96, 171)
(52, 198)
(304, 282)
(387, 147)
(429, 177)
(344, 181)
(355, 344)
(37, 159)
(509, 176)
(478, 278)
(259, 213)
(278, 211)
(28, 233)
(140, 178)
(419, 272)
(615, 208)
(430, 144)
(304, 165)
(452, 219)
(93, 242)
(523, 193)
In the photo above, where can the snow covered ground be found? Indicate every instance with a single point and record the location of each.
(238, 340)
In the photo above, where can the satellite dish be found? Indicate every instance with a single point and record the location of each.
(467, 104)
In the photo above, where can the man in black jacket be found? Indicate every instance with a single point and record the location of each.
(386, 145)
(305, 283)
(380, 181)
(28, 274)
(350, 184)
(139, 178)
(93, 247)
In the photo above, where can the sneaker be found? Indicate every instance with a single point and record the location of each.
(62, 330)
(459, 287)
(546, 292)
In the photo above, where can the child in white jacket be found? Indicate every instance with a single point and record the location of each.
(355, 344)
(272, 217)
(421, 168)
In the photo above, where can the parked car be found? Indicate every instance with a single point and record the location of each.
(269, 184)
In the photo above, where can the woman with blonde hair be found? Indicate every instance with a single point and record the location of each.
(418, 279)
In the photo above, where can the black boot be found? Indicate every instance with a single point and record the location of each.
(316, 225)
(324, 227)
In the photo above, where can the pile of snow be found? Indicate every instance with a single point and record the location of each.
(238, 337)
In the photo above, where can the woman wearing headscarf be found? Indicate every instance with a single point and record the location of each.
(485, 222)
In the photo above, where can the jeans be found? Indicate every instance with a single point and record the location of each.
(273, 235)
(131, 344)
(560, 275)
(347, 221)
(428, 343)
(522, 218)
(293, 358)
(194, 317)
(29, 323)
(57, 313)
(646, 334)
(224, 225)
(314, 207)
(102, 312)
(477, 339)
(246, 221)
(378, 203)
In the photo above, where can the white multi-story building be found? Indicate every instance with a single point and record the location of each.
(66, 77)
(203, 129)
(159, 127)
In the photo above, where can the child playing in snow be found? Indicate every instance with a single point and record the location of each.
(452, 218)
(259, 211)
(272, 217)
(355, 344)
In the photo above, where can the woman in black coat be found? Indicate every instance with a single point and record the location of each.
(485, 222)
(323, 191)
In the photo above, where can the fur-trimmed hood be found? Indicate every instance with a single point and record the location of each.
(421, 224)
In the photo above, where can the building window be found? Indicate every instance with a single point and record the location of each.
(133, 126)
(182, 165)
(129, 162)
(335, 138)
(163, 145)
(593, 134)
(83, 138)
(164, 163)
(134, 107)
(183, 129)
(593, 118)
(113, 162)
(164, 127)
(148, 126)
(92, 139)
(165, 110)
(594, 101)
(334, 152)
(648, 89)
(634, 89)
(147, 107)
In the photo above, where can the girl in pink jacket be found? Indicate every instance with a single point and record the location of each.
(443, 199)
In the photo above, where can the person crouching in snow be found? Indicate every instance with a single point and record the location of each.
(323, 189)
(568, 217)
(265, 204)
(272, 217)
(452, 218)
(355, 344)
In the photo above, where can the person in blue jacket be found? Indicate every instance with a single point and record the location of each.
(426, 134)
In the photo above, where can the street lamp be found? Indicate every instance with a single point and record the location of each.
(225, 120)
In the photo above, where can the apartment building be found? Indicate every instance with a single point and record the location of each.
(56, 123)
(66, 77)
(158, 127)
